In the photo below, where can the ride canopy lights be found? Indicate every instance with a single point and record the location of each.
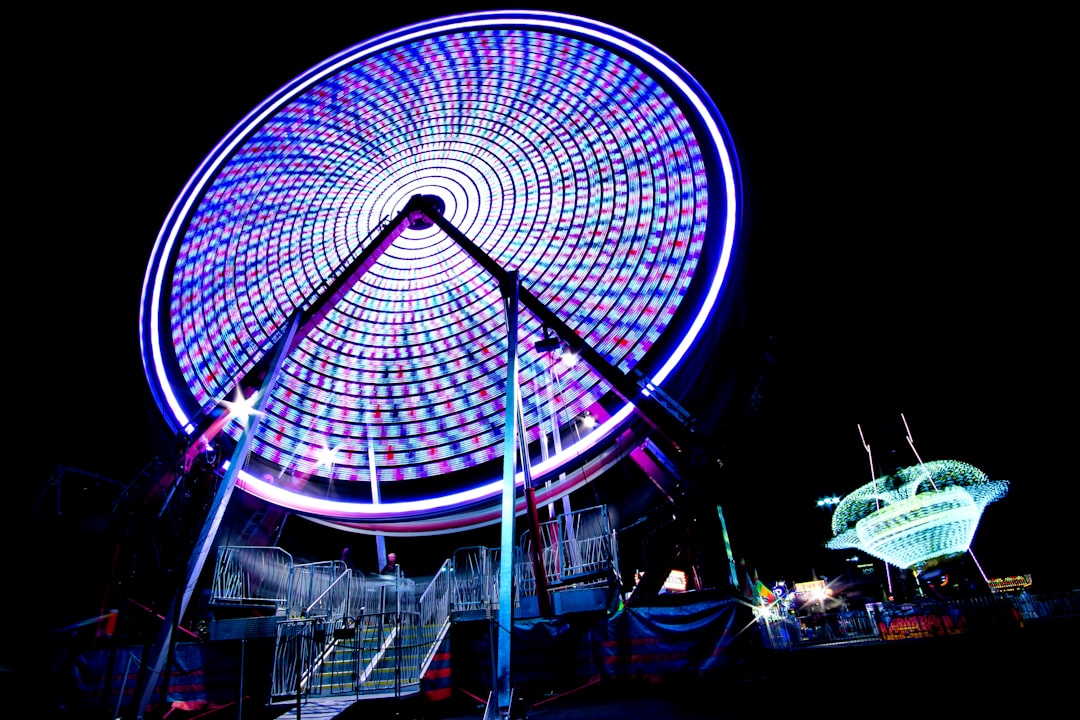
(919, 514)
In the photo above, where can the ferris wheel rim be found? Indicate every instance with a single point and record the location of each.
(403, 514)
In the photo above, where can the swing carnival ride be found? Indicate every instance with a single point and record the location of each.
(916, 518)
(331, 291)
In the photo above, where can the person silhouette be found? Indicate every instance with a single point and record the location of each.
(347, 557)
(391, 566)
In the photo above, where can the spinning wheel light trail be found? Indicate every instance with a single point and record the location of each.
(568, 151)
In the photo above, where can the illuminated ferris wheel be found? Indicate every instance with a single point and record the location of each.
(339, 263)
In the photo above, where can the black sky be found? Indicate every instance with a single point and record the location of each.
(906, 230)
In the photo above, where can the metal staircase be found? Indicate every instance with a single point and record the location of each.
(340, 636)
(330, 670)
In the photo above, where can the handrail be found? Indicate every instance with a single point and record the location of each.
(334, 591)
(434, 621)
(308, 581)
(307, 611)
(388, 646)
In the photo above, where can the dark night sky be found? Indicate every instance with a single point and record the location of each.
(906, 239)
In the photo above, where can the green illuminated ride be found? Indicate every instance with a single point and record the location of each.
(917, 516)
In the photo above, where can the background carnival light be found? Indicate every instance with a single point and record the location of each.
(578, 155)
(918, 514)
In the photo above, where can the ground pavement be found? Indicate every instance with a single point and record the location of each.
(1019, 672)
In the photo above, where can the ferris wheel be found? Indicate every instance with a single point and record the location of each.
(339, 262)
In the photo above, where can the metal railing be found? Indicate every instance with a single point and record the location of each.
(342, 599)
(247, 575)
(309, 584)
(344, 633)
(474, 582)
(434, 615)
(783, 631)
(1059, 604)
(376, 653)
(577, 547)
(295, 653)
(352, 635)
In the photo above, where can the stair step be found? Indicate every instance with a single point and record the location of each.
(319, 708)
(326, 707)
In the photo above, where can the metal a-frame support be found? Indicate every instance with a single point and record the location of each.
(649, 402)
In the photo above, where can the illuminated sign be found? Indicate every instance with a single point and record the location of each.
(676, 581)
(810, 587)
(1010, 583)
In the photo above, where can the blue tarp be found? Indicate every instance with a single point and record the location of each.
(657, 642)
(206, 674)
(685, 638)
